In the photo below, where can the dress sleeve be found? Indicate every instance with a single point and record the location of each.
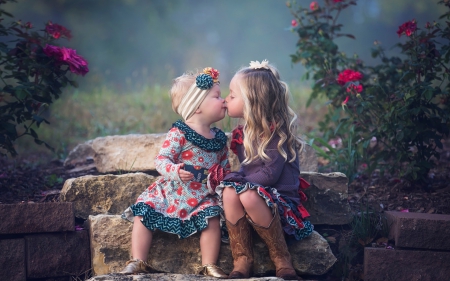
(166, 162)
(269, 171)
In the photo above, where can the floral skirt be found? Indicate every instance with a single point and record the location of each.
(292, 216)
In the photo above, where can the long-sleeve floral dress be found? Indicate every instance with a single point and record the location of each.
(171, 205)
(277, 181)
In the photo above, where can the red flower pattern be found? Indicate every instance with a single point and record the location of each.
(192, 202)
(187, 155)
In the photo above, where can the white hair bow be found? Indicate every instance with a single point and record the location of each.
(257, 65)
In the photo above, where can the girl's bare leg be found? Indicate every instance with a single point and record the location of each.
(141, 240)
(232, 205)
(256, 208)
(210, 242)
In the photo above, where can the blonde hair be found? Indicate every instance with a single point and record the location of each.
(267, 113)
(179, 88)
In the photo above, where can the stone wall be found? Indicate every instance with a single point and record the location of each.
(39, 241)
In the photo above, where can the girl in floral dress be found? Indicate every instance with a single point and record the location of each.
(192, 161)
(265, 194)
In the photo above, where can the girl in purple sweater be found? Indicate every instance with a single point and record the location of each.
(266, 191)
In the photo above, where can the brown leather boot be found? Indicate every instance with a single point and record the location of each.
(241, 248)
(273, 236)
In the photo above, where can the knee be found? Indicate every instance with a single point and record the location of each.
(229, 195)
(249, 198)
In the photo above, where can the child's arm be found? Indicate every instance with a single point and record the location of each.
(166, 160)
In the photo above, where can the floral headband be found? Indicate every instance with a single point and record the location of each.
(257, 65)
(197, 92)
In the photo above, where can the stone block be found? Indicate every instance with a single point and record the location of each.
(58, 254)
(105, 194)
(12, 260)
(136, 152)
(111, 245)
(405, 265)
(37, 218)
(327, 198)
(418, 230)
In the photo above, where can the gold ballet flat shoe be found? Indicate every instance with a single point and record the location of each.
(136, 266)
(212, 270)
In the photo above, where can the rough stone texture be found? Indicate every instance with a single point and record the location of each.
(308, 160)
(12, 262)
(57, 254)
(136, 152)
(106, 194)
(405, 265)
(36, 217)
(170, 277)
(327, 198)
(111, 243)
(418, 230)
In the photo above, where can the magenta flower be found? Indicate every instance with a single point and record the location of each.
(313, 6)
(77, 63)
(294, 23)
(57, 30)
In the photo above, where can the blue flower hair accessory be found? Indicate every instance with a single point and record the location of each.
(204, 81)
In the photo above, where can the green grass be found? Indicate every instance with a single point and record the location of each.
(81, 116)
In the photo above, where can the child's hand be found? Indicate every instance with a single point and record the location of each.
(184, 175)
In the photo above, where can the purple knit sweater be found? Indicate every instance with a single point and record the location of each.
(276, 172)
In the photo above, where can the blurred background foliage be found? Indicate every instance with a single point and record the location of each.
(135, 47)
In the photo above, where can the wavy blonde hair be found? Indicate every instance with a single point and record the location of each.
(266, 104)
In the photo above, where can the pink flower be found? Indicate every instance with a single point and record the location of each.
(314, 6)
(354, 88)
(407, 28)
(348, 75)
(28, 25)
(57, 30)
(294, 23)
(77, 63)
(337, 1)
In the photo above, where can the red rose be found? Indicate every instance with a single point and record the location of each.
(408, 28)
(314, 6)
(236, 138)
(354, 88)
(294, 23)
(348, 75)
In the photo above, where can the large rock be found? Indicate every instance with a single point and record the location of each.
(111, 243)
(327, 198)
(137, 153)
(107, 194)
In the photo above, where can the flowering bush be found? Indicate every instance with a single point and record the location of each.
(33, 72)
(402, 102)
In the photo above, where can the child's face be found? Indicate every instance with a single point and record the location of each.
(213, 106)
(235, 103)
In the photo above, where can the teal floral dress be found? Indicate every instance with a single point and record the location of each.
(171, 205)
